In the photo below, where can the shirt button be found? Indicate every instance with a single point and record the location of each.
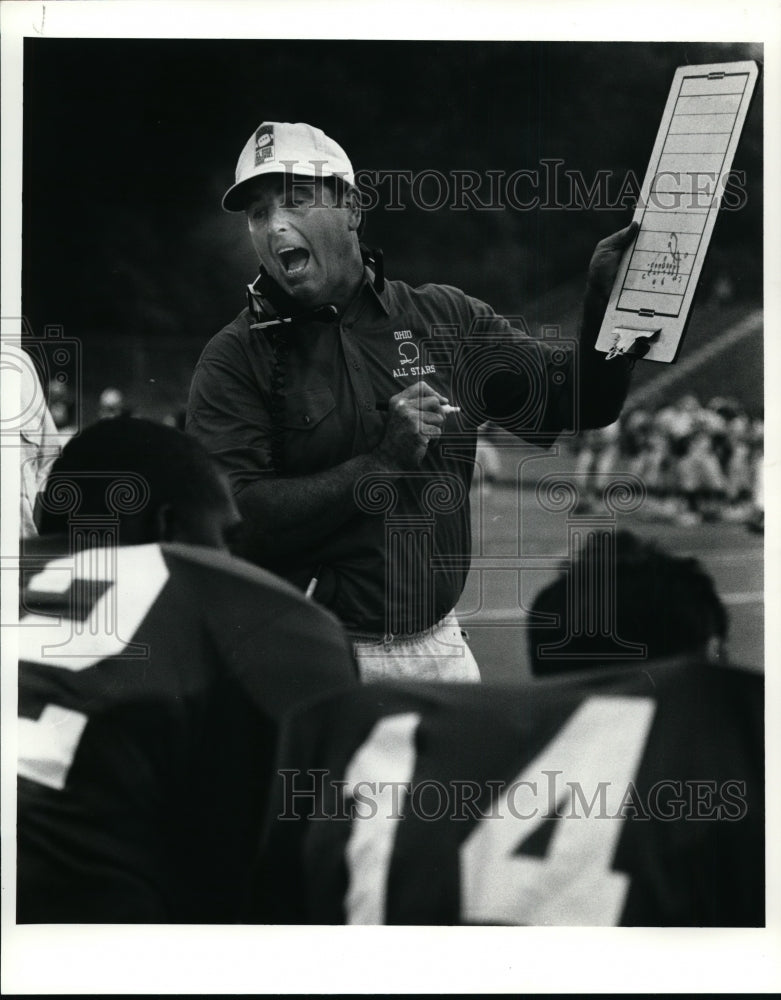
(368, 405)
(356, 366)
(307, 419)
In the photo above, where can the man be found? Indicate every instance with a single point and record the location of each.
(39, 444)
(628, 601)
(617, 793)
(154, 672)
(344, 408)
(112, 404)
(631, 796)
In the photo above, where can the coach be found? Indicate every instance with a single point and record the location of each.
(344, 407)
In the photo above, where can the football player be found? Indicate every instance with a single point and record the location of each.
(155, 670)
(631, 793)
(622, 599)
(623, 797)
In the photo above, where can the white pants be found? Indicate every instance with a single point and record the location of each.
(438, 654)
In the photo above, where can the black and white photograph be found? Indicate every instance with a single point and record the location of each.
(384, 476)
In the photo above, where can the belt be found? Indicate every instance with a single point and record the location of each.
(397, 639)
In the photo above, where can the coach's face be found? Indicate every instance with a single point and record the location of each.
(305, 234)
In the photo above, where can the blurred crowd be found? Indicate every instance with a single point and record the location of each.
(112, 402)
(698, 463)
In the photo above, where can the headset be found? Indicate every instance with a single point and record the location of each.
(275, 312)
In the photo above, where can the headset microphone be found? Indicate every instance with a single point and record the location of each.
(270, 305)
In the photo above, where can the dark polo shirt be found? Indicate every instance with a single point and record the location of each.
(410, 536)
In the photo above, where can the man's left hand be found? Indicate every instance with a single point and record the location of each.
(605, 260)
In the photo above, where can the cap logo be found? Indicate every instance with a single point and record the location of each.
(264, 144)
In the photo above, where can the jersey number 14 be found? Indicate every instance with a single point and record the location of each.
(601, 744)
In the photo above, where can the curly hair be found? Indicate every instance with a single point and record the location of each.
(646, 597)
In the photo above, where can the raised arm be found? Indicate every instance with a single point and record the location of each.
(526, 390)
(603, 384)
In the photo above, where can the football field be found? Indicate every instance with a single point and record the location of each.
(519, 541)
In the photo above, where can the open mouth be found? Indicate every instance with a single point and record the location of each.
(293, 259)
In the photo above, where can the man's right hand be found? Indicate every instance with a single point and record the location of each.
(415, 418)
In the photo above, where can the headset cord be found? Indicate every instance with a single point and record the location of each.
(280, 345)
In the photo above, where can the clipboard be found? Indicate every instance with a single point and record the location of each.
(651, 299)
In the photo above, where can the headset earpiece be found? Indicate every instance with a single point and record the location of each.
(267, 301)
(269, 305)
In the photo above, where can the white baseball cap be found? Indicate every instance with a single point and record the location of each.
(282, 147)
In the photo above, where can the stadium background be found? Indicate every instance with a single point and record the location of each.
(129, 145)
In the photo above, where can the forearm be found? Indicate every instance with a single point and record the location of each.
(602, 384)
(594, 400)
(287, 515)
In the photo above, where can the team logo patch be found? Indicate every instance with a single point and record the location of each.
(264, 144)
(408, 353)
(409, 356)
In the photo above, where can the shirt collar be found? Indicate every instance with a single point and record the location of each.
(368, 293)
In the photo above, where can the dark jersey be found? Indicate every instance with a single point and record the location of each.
(399, 563)
(152, 683)
(618, 798)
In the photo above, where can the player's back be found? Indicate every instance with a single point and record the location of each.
(630, 797)
(151, 686)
